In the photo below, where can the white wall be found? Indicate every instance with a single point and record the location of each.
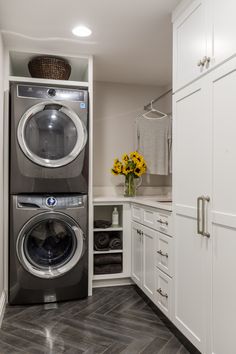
(1, 165)
(116, 107)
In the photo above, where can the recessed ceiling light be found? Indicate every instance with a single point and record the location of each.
(81, 31)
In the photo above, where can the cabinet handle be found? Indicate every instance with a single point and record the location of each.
(162, 222)
(163, 254)
(204, 61)
(205, 232)
(200, 215)
(162, 294)
(199, 63)
(139, 232)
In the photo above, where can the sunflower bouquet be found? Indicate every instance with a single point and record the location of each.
(131, 166)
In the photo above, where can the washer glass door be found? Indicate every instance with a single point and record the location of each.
(51, 135)
(50, 245)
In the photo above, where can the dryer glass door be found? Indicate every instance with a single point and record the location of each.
(50, 245)
(51, 135)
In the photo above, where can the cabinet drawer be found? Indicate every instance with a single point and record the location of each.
(137, 213)
(164, 253)
(164, 222)
(163, 296)
(149, 218)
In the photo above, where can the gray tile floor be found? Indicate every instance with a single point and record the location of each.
(114, 320)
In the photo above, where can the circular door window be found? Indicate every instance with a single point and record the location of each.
(50, 245)
(51, 135)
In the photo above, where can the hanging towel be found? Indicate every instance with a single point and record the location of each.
(154, 142)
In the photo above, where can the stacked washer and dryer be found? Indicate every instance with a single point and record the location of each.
(48, 240)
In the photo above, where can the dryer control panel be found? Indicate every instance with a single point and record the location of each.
(55, 93)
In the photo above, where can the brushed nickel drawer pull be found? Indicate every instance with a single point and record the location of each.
(163, 254)
(162, 222)
(162, 294)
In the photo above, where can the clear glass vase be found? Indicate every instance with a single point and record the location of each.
(130, 186)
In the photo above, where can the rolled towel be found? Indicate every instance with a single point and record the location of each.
(101, 241)
(102, 259)
(102, 224)
(115, 243)
(108, 269)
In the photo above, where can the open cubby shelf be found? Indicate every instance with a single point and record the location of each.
(110, 251)
(104, 212)
(112, 228)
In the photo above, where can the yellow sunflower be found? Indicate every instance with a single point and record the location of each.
(125, 157)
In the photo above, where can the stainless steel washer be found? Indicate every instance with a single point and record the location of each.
(48, 248)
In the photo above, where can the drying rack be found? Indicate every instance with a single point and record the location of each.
(147, 107)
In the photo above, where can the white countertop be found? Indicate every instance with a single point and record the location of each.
(158, 201)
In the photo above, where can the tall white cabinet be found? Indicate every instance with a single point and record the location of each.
(223, 97)
(204, 176)
(192, 179)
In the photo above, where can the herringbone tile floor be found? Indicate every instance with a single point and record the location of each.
(114, 320)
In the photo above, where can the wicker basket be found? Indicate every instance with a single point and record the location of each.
(47, 67)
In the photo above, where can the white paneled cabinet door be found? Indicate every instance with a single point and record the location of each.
(148, 240)
(191, 44)
(224, 208)
(136, 256)
(224, 29)
(191, 180)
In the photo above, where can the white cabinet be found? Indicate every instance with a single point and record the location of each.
(164, 253)
(204, 36)
(163, 292)
(152, 255)
(191, 180)
(143, 258)
(136, 254)
(224, 29)
(148, 239)
(223, 88)
(191, 44)
(205, 292)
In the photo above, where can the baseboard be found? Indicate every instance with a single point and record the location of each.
(111, 282)
(3, 301)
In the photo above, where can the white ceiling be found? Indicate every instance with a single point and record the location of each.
(131, 39)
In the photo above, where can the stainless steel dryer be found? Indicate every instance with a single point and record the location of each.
(48, 248)
(48, 139)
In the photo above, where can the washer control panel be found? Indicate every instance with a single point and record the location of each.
(51, 201)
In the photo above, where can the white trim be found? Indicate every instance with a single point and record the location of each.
(112, 282)
(90, 189)
(180, 9)
(34, 80)
(3, 302)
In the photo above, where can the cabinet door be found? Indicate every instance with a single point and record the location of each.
(136, 254)
(224, 29)
(224, 208)
(190, 43)
(148, 240)
(191, 179)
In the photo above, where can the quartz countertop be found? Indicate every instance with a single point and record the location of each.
(158, 201)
